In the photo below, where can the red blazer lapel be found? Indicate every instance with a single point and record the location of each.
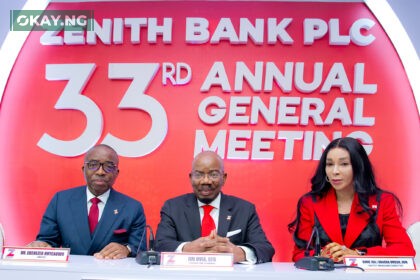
(326, 210)
(357, 222)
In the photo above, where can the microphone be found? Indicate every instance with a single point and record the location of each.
(317, 252)
(149, 257)
(316, 262)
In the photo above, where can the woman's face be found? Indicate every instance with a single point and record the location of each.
(339, 169)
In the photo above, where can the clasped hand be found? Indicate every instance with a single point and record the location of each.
(336, 251)
(214, 243)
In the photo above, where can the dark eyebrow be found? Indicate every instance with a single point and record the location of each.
(340, 159)
(344, 158)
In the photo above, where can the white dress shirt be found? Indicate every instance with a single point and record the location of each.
(101, 205)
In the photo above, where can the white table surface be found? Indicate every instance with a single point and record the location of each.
(89, 268)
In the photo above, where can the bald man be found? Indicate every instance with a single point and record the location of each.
(236, 228)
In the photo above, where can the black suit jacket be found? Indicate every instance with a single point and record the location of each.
(180, 222)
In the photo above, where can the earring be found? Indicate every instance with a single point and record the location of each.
(326, 178)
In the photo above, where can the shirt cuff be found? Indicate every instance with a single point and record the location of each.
(250, 257)
(180, 247)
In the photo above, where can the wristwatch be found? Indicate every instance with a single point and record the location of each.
(129, 249)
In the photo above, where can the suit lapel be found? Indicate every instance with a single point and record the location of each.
(326, 211)
(78, 206)
(113, 208)
(225, 216)
(192, 216)
(356, 224)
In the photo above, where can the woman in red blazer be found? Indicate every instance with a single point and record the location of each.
(352, 214)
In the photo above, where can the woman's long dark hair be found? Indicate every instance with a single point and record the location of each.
(363, 178)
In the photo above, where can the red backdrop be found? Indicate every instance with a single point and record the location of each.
(386, 120)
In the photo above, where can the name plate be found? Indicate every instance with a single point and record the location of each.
(381, 263)
(199, 260)
(12, 253)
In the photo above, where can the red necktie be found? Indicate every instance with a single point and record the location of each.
(207, 225)
(93, 214)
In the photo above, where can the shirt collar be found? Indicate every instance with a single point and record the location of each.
(103, 197)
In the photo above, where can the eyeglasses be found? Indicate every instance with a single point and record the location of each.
(212, 175)
(94, 165)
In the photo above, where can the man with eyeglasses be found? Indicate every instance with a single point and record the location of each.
(208, 220)
(94, 219)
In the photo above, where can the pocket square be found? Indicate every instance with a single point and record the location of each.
(120, 231)
(233, 232)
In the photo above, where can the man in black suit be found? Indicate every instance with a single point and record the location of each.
(237, 228)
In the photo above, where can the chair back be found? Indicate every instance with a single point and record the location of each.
(414, 232)
(1, 240)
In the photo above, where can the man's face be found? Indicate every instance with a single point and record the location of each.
(100, 169)
(207, 176)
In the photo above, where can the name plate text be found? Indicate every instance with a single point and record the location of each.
(12, 253)
(381, 263)
(199, 260)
